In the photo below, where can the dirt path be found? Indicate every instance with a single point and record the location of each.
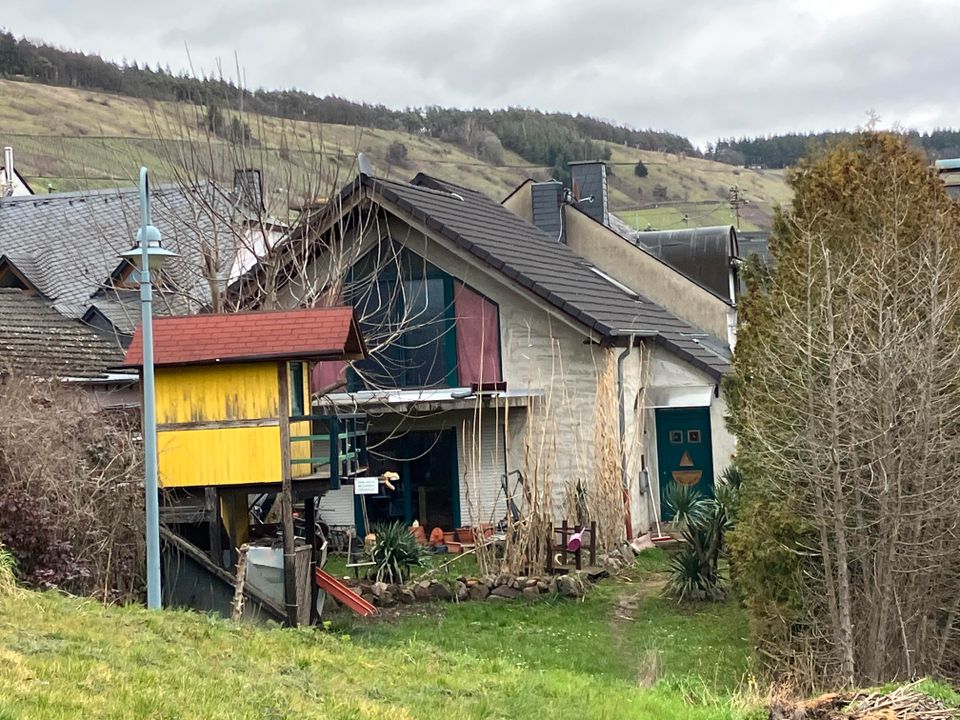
(644, 663)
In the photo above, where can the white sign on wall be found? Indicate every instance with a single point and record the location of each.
(366, 486)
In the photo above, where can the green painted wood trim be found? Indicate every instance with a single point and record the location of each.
(449, 337)
(455, 479)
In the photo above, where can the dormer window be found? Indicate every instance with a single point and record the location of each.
(12, 277)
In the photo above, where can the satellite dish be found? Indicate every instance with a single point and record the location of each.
(366, 167)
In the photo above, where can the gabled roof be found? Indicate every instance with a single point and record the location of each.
(20, 178)
(68, 244)
(37, 340)
(550, 270)
(330, 333)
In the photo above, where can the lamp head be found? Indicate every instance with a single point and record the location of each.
(157, 255)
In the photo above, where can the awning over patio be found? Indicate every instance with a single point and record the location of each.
(677, 396)
(427, 400)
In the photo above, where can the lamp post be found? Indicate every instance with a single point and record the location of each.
(146, 256)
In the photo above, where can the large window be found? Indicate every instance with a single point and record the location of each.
(405, 306)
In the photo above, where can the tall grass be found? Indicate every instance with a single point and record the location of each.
(8, 578)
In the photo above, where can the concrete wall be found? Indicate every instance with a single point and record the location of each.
(520, 203)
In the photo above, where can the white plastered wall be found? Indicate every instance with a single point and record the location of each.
(668, 370)
(544, 352)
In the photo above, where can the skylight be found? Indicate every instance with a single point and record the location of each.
(616, 283)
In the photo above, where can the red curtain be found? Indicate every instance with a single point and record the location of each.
(478, 337)
(328, 376)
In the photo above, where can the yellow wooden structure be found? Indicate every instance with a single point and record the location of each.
(233, 405)
(219, 425)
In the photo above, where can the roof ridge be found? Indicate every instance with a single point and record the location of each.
(48, 198)
(272, 311)
(446, 183)
(420, 188)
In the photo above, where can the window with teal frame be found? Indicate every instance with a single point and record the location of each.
(405, 306)
(296, 389)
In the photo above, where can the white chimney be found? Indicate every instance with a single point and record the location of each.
(8, 170)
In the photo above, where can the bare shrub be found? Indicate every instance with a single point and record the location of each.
(845, 406)
(71, 494)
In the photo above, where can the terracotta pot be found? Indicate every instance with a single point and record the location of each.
(453, 547)
(419, 534)
(486, 529)
(449, 537)
(465, 534)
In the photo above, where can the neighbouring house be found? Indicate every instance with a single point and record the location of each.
(36, 339)
(949, 171)
(12, 183)
(60, 253)
(691, 273)
(496, 348)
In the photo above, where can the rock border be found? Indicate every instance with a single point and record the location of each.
(490, 588)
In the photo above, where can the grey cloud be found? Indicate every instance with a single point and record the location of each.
(696, 67)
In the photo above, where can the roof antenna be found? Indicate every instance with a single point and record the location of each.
(366, 167)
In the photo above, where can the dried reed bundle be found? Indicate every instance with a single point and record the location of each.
(605, 491)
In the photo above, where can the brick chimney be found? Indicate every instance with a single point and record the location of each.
(248, 185)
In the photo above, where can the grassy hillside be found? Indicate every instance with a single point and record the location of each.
(623, 652)
(74, 139)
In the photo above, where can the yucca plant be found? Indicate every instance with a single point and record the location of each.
(395, 552)
(695, 569)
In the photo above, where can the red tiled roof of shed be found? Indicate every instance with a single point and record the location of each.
(330, 333)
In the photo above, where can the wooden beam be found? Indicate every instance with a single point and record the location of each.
(286, 496)
(211, 502)
(219, 424)
(179, 514)
(196, 554)
(310, 518)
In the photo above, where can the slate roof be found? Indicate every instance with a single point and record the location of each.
(68, 244)
(37, 340)
(328, 333)
(549, 269)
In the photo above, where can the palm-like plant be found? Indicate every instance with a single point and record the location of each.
(395, 552)
(695, 570)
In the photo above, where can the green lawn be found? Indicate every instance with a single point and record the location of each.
(671, 217)
(623, 652)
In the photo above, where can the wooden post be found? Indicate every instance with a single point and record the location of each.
(593, 543)
(550, 542)
(563, 541)
(211, 506)
(310, 518)
(286, 497)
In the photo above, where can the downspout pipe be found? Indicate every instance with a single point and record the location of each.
(621, 359)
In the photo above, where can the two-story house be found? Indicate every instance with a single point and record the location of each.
(490, 341)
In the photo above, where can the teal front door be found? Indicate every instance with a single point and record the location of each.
(684, 453)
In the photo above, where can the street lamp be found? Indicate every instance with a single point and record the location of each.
(147, 255)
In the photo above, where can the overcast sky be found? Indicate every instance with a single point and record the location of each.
(696, 67)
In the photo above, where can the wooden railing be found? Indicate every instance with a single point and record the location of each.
(337, 443)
